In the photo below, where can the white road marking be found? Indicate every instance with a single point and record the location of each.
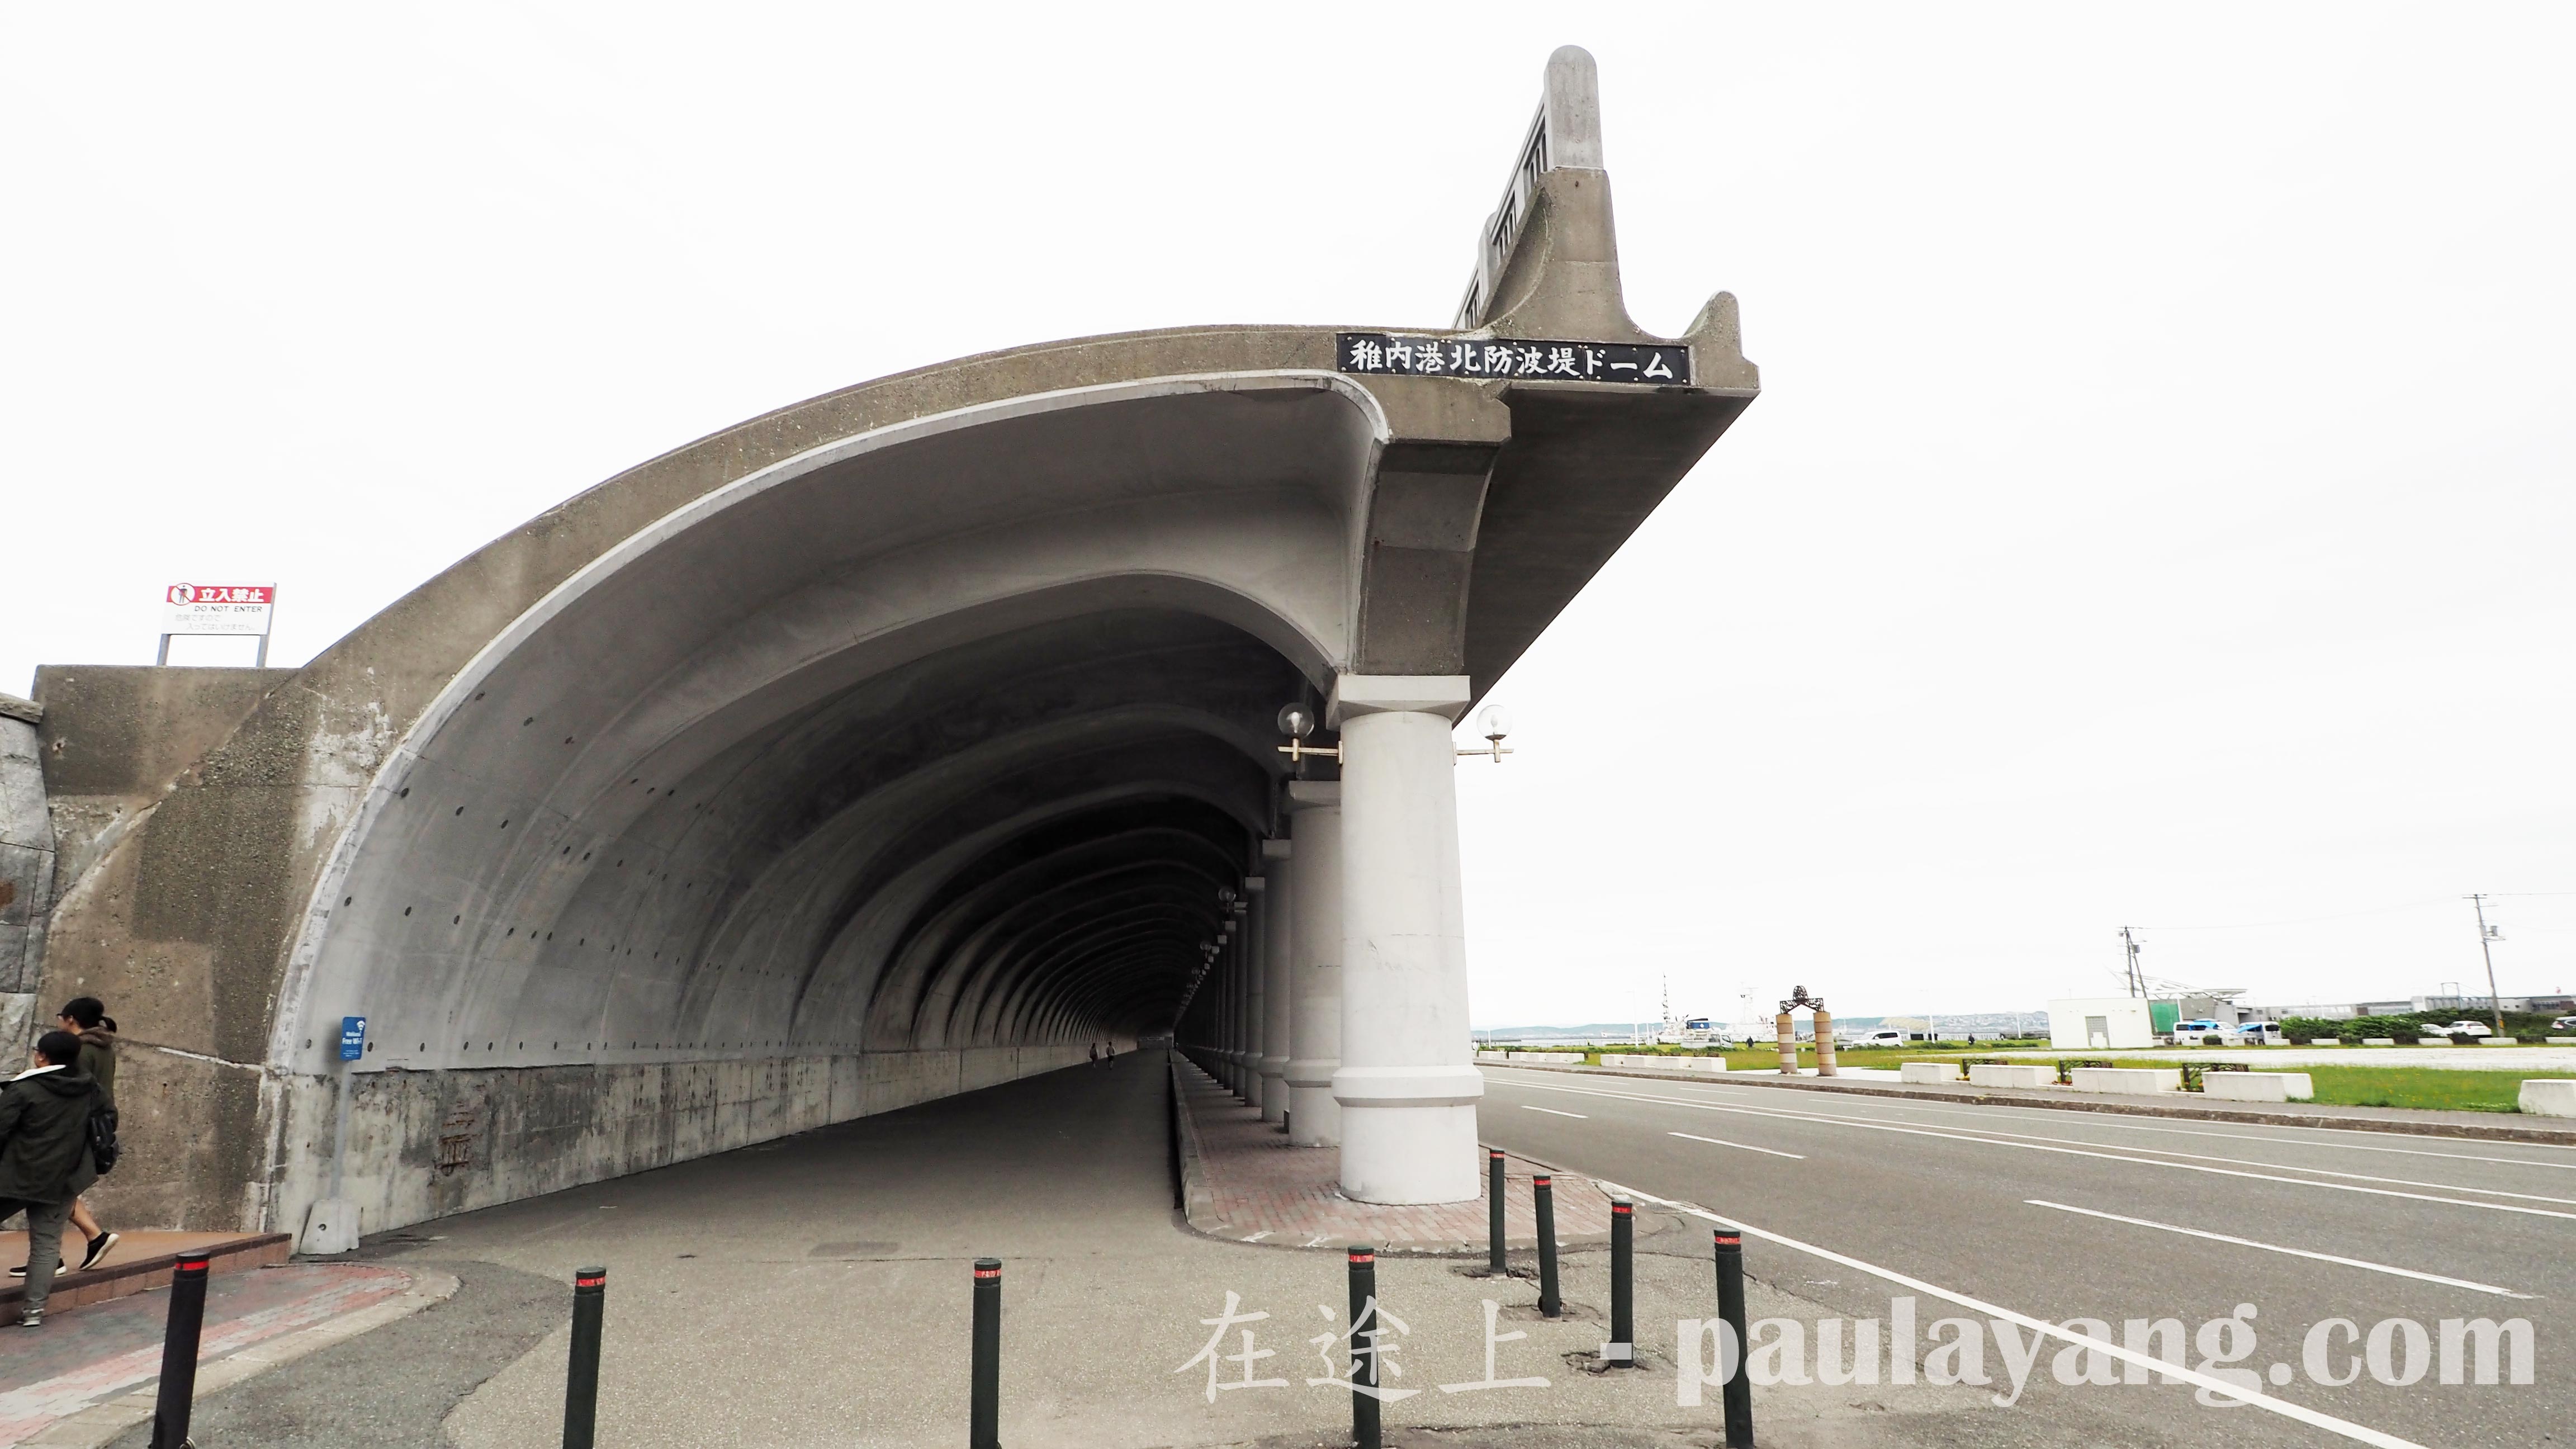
(1955, 1135)
(2299, 1412)
(2276, 1141)
(1257, 1237)
(2277, 1248)
(2237, 1161)
(1551, 1111)
(2107, 1121)
(1747, 1146)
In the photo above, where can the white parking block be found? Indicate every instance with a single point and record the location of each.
(2128, 1081)
(2259, 1086)
(2547, 1098)
(1931, 1073)
(2334, 1041)
(2432, 1041)
(2498, 1041)
(2379, 1041)
(2015, 1075)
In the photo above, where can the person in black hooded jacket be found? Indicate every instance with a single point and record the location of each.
(44, 1157)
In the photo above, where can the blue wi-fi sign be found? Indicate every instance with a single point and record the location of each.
(353, 1038)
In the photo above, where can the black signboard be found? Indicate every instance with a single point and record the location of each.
(1404, 355)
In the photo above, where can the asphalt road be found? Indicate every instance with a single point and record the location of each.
(2062, 1215)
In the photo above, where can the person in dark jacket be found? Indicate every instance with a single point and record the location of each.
(44, 1157)
(86, 1017)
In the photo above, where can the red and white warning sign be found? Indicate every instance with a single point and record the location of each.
(218, 608)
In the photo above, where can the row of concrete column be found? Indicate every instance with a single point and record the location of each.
(1338, 1004)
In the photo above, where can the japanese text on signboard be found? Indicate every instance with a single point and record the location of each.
(217, 608)
(1409, 356)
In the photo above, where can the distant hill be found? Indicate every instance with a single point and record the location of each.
(1981, 1022)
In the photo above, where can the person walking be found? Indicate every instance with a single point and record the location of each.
(86, 1017)
(45, 1159)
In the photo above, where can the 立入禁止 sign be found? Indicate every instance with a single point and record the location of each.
(1403, 355)
(218, 608)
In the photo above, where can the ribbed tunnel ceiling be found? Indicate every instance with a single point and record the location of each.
(805, 776)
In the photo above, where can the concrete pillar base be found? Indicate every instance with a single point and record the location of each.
(1274, 1088)
(1315, 1119)
(1420, 1154)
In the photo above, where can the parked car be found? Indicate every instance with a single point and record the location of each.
(1879, 1039)
(2564, 1023)
(2189, 1033)
(2262, 1033)
(2467, 1028)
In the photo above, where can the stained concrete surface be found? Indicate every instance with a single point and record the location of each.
(390, 1387)
(815, 1291)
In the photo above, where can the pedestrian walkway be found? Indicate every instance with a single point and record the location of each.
(1260, 1189)
(82, 1359)
(139, 1263)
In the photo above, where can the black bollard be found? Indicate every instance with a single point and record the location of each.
(581, 1376)
(1364, 1419)
(1622, 1347)
(1543, 1198)
(179, 1353)
(1494, 1212)
(984, 1416)
(1730, 1308)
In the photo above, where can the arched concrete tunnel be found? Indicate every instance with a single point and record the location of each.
(903, 741)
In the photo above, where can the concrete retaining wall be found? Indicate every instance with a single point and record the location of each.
(1991, 1075)
(426, 1144)
(1928, 1073)
(1670, 1064)
(1507, 1058)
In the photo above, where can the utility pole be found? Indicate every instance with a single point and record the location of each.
(2137, 979)
(2486, 935)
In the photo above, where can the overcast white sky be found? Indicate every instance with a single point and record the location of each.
(2158, 511)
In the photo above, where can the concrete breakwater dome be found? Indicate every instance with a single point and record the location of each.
(902, 741)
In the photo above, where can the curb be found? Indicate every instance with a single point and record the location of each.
(143, 1275)
(100, 1424)
(2551, 1137)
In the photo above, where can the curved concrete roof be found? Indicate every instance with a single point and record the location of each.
(926, 714)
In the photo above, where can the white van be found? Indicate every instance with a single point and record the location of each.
(1878, 1039)
(2258, 1033)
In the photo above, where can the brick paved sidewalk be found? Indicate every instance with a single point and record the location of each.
(1259, 1189)
(84, 1357)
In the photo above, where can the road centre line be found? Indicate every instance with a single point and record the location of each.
(2237, 1161)
(1951, 1135)
(2109, 1120)
(1551, 1111)
(1746, 1146)
(2172, 1372)
(2277, 1248)
(1862, 1117)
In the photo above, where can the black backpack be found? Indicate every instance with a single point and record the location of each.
(103, 1148)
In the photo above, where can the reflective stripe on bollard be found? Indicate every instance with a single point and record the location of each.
(581, 1375)
(187, 1323)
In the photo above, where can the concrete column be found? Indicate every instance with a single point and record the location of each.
(1274, 906)
(1315, 967)
(1408, 1084)
(1256, 988)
